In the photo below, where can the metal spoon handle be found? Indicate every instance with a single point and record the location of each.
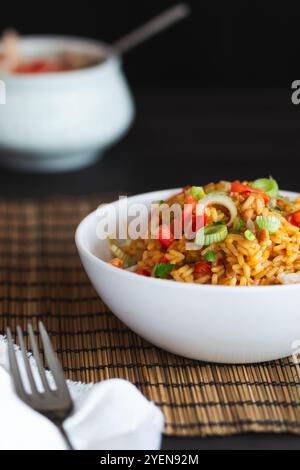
(154, 26)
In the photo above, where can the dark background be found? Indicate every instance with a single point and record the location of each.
(242, 44)
(213, 94)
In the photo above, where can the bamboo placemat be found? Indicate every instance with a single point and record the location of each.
(41, 278)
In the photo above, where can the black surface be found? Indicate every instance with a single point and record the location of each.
(237, 442)
(222, 44)
(187, 138)
(190, 138)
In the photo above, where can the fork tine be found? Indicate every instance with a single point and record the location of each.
(26, 361)
(37, 358)
(14, 367)
(53, 362)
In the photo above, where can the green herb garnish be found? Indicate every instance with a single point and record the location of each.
(197, 192)
(210, 256)
(238, 224)
(163, 270)
(220, 222)
(249, 235)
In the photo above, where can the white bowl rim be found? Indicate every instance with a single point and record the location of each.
(167, 282)
(76, 73)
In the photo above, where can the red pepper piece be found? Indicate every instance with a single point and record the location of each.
(165, 236)
(294, 218)
(163, 260)
(202, 267)
(237, 187)
(143, 272)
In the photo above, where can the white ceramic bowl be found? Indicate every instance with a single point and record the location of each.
(211, 323)
(62, 121)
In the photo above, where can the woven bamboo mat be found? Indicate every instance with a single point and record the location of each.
(41, 278)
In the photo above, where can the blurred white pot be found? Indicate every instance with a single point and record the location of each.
(65, 120)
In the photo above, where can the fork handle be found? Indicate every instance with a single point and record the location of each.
(58, 420)
(59, 424)
(64, 435)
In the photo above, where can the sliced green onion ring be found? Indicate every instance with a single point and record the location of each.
(267, 185)
(214, 233)
(269, 223)
(221, 199)
(119, 253)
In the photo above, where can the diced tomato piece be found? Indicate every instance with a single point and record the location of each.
(202, 267)
(294, 218)
(237, 187)
(194, 222)
(290, 218)
(189, 217)
(220, 262)
(198, 221)
(165, 236)
(163, 260)
(189, 199)
(143, 272)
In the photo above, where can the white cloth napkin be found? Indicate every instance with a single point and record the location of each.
(109, 415)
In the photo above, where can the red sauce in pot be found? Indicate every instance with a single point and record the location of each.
(63, 63)
(38, 66)
(11, 60)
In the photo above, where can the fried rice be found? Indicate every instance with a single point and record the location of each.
(259, 247)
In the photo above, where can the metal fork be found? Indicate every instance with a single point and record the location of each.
(56, 404)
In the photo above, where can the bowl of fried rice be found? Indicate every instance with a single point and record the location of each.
(208, 272)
